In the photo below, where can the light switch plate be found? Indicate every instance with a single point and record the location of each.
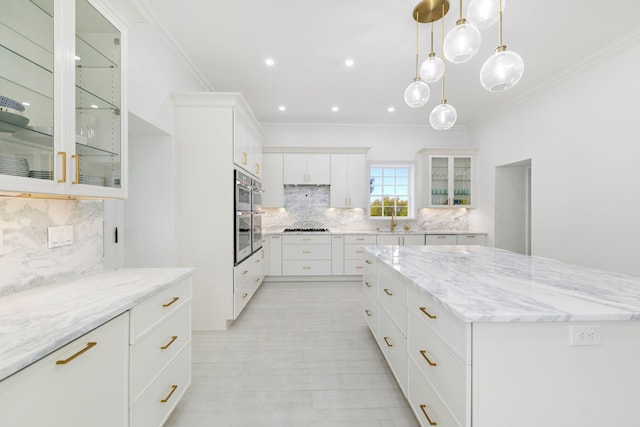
(60, 236)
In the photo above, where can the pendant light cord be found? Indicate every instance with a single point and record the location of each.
(432, 52)
(443, 100)
(500, 32)
(417, 53)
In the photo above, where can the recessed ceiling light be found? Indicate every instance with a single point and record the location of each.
(26, 104)
(282, 108)
(349, 62)
(334, 109)
(94, 106)
(270, 62)
(391, 109)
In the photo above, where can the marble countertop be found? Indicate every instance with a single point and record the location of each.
(480, 284)
(38, 321)
(398, 231)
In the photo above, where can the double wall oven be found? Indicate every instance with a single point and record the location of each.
(248, 216)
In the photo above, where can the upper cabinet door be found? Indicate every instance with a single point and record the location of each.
(62, 113)
(307, 169)
(348, 181)
(450, 181)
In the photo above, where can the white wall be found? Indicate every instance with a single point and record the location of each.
(582, 137)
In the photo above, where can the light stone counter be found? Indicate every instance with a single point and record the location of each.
(480, 284)
(399, 231)
(38, 321)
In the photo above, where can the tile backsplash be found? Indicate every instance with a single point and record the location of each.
(27, 262)
(308, 206)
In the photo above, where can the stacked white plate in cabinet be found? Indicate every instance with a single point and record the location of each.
(11, 118)
(92, 180)
(12, 165)
(41, 174)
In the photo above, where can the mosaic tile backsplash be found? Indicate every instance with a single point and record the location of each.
(307, 206)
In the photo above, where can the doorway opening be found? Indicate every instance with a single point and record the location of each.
(513, 207)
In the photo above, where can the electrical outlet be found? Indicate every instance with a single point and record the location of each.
(585, 335)
(60, 236)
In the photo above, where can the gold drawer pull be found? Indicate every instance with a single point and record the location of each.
(244, 158)
(388, 292)
(368, 285)
(173, 389)
(424, 354)
(306, 268)
(386, 339)
(359, 252)
(257, 279)
(173, 338)
(63, 169)
(244, 295)
(88, 347)
(368, 313)
(306, 239)
(258, 260)
(76, 157)
(244, 272)
(359, 238)
(359, 267)
(429, 315)
(442, 237)
(368, 261)
(306, 252)
(423, 408)
(172, 301)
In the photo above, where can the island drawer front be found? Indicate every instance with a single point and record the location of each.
(440, 239)
(312, 251)
(393, 344)
(147, 314)
(150, 410)
(360, 239)
(471, 239)
(242, 274)
(444, 370)
(453, 331)
(392, 296)
(312, 267)
(370, 311)
(369, 287)
(298, 239)
(424, 400)
(353, 252)
(241, 297)
(353, 266)
(158, 347)
(370, 272)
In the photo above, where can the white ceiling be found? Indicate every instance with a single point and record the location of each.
(227, 41)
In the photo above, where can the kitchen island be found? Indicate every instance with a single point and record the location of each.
(482, 337)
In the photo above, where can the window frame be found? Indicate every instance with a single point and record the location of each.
(412, 202)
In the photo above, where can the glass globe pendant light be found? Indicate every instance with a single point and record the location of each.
(462, 42)
(417, 93)
(483, 13)
(504, 69)
(444, 115)
(431, 68)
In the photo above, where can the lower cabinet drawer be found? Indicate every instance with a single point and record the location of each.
(306, 268)
(425, 403)
(353, 266)
(440, 239)
(394, 348)
(444, 370)
(241, 297)
(354, 251)
(306, 251)
(471, 239)
(370, 313)
(392, 296)
(159, 399)
(150, 355)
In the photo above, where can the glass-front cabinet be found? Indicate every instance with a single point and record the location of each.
(62, 112)
(448, 179)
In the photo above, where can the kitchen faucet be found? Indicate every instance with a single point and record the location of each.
(392, 225)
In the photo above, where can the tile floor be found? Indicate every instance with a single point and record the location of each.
(299, 355)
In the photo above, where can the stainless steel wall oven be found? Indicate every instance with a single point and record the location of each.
(247, 213)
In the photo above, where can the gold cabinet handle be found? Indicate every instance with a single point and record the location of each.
(441, 237)
(386, 339)
(64, 166)
(429, 315)
(258, 260)
(359, 238)
(257, 168)
(173, 389)
(359, 267)
(306, 239)
(173, 338)
(171, 302)
(306, 268)
(368, 261)
(424, 354)
(244, 272)
(88, 347)
(306, 252)
(244, 158)
(244, 295)
(368, 313)
(359, 252)
(388, 292)
(423, 408)
(368, 285)
(76, 157)
(257, 279)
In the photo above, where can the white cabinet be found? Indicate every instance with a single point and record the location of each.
(400, 239)
(272, 180)
(247, 277)
(349, 181)
(471, 239)
(337, 254)
(448, 178)
(354, 254)
(441, 239)
(275, 255)
(82, 384)
(247, 144)
(306, 255)
(81, 149)
(307, 169)
(204, 199)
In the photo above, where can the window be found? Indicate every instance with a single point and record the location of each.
(390, 190)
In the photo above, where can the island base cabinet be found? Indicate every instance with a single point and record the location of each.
(158, 401)
(394, 347)
(82, 384)
(426, 403)
(529, 375)
(370, 313)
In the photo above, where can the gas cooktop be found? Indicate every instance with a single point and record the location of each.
(305, 230)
